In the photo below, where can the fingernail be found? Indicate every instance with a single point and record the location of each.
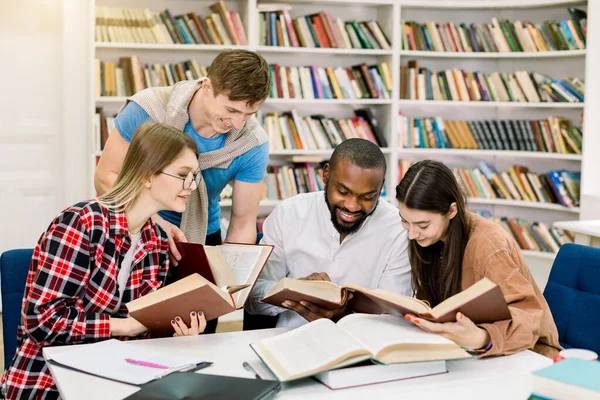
(177, 319)
(200, 313)
(407, 317)
(286, 304)
(304, 303)
(173, 321)
(460, 315)
(193, 314)
(416, 321)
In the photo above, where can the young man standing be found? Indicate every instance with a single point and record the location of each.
(216, 112)
(345, 234)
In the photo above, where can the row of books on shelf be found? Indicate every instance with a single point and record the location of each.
(319, 30)
(129, 75)
(140, 25)
(289, 131)
(460, 85)
(497, 36)
(534, 236)
(518, 183)
(102, 126)
(282, 182)
(552, 135)
(312, 82)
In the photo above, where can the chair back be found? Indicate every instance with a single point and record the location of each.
(14, 265)
(573, 294)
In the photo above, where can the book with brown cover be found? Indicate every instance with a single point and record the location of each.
(226, 266)
(221, 9)
(193, 293)
(483, 302)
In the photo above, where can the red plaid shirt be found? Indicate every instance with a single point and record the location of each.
(72, 289)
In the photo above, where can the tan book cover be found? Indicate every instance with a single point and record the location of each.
(192, 293)
(482, 302)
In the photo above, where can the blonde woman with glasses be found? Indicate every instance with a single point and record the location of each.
(98, 255)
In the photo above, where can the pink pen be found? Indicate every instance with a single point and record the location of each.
(146, 363)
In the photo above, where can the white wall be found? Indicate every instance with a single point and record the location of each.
(590, 185)
(31, 145)
(31, 142)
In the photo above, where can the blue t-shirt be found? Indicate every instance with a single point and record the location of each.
(249, 167)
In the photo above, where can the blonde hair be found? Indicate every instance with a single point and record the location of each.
(152, 148)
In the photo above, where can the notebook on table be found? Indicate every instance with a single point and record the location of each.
(190, 386)
(108, 359)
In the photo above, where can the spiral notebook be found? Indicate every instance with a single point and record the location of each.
(107, 359)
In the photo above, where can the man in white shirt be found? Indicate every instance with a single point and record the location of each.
(345, 234)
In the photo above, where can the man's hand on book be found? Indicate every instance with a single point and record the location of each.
(316, 276)
(463, 332)
(175, 235)
(312, 312)
(197, 325)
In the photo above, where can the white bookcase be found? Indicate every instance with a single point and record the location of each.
(389, 13)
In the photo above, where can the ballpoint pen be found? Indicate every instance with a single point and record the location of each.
(146, 363)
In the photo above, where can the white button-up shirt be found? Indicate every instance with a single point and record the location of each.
(305, 240)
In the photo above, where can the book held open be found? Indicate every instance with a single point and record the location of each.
(216, 280)
(323, 345)
(483, 302)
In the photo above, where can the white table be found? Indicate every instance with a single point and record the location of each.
(495, 378)
(586, 232)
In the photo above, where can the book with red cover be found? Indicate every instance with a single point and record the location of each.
(216, 280)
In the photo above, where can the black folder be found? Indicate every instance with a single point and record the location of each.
(192, 386)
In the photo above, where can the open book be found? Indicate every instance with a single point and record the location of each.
(228, 265)
(483, 302)
(224, 278)
(323, 345)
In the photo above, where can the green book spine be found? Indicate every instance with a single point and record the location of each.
(508, 36)
(364, 41)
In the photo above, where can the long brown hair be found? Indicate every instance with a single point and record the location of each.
(437, 269)
(152, 148)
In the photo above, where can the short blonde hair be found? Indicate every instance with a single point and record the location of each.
(152, 148)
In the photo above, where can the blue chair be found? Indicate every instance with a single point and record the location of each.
(573, 294)
(14, 265)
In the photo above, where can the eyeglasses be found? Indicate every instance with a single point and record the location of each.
(190, 178)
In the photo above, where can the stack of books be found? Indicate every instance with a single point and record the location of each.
(552, 135)
(312, 82)
(518, 183)
(288, 131)
(460, 85)
(129, 75)
(498, 36)
(319, 30)
(136, 25)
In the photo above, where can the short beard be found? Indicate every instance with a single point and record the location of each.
(343, 229)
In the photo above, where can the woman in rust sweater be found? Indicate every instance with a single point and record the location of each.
(451, 248)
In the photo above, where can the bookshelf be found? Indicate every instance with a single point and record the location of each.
(389, 14)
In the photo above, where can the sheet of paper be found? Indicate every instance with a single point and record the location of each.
(107, 359)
